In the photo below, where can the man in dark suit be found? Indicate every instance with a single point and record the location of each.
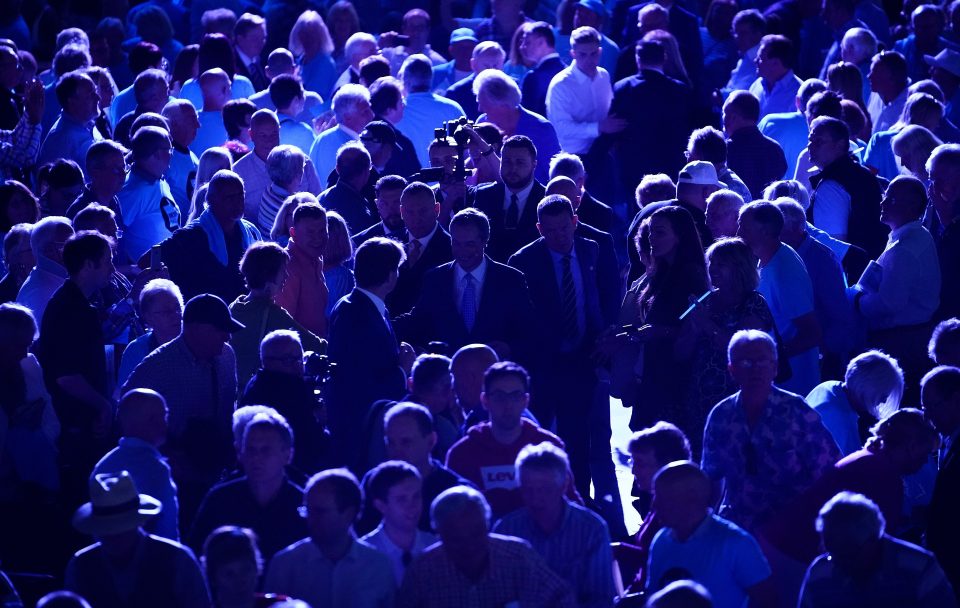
(511, 203)
(658, 111)
(588, 209)
(370, 365)
(561, 271)
(684, 26)
(473, 299)
(386, 101)
(941, 402)
(387, 193)
(346, 195)
(538, 47)
(427, 245)
(488, 55)
(250, 36)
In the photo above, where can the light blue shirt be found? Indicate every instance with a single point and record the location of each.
(149, 211)
(719, 555)
(135, 352)
(318, 75)
(790, 130)
(45, 279)
(151, 474)
(68, 139)
(744, 73)
(323, 152)
(779, 98)
(182, 176)
(879, 154)
(211, 133)
(831, 402)
(378, 539)
(786, 286)
(558, 264)
(296, 133)
(425, 112)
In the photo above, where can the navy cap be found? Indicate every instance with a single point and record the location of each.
(208, 308)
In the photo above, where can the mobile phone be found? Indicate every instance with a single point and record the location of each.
(156, 263)
(401, 40)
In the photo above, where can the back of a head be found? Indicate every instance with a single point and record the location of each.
(375, 260)
(745, 105)
(62, 599)
(650, 53)
(417, 73)
(147, 140)
(681, 594)
(346, 99)
(498, 88)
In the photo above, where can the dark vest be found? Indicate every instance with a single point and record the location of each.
(863, 226)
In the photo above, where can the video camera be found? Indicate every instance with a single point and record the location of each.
(451, 129)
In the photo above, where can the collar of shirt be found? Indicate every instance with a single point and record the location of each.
(581, 76)
(751, 54)
(71, 122)
(424, 241)
(521, 196)
(899, 232)
(45, 264)
(558, 257)
(899, 99)
(700, 530)
(544, 58)
(479, 273)
(244, 58)
(769, 87)
(138, 444)
(377, 301)
(353, 134)
(381, 540)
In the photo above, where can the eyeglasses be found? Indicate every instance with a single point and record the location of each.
(755, 363)
(286, 359)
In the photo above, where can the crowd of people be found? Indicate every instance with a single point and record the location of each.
(315, 303)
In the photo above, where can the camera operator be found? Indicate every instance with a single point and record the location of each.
(450, 154)
(282, 384)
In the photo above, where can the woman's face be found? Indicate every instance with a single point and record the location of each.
(663, 240)
(235, 581)
(722, 275)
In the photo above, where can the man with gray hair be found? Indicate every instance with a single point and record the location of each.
(488, 55)
(346, 196)
(766, 445)
(498, 98)
(47, 238)
(944, 169)
(204, 256)
(573, 540)
(358, 47)
(471, 566)
(351, 107)
(425, 110)
(863, 566)
(285, 167)
(723, 209)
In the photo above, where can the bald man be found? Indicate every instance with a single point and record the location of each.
(468, 366)
(215, 88)
(608, 269)
(713, 551)
(142, 415)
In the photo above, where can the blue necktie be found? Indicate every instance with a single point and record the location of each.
(469, 302)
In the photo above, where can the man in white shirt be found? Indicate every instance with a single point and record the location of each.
(748, 28)
(777, 85)
(889, 82)
(898, 294)
(331, 567)
(578, 99)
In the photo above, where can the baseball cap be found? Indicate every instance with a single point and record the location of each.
(462, 34)
(594, 5)
(380, 132)
(208, 308)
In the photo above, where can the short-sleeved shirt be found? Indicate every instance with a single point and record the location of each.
(149, 211)
(831, 402)
(786, 286)
(767, 466)
(719, 555)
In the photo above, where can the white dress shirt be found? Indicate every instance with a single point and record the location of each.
(576, 104)
(909, 288)
(522, 196)
(884, 115)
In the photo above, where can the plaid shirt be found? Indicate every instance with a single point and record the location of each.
(19, 147)
(516, 576)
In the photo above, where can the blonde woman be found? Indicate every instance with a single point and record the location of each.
(211, 161)
(312, 45)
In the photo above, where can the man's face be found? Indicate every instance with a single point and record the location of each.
(745, 37)
(753, 365)
(418, 28)
(767, 67)
(557, 232)
(823, 148)
(184, 129)
(541, 490)
(879, 77)
(644, 467)
(325, 521)
(721, 221)
(164, 314)
(405, 441)
(587, 56)
(284, 356)
(403, 505)
(388, 205)
(750, 231)
(207, 340)
(156, 97)
(84, 105)
(940, 409)
(465, 539)
(361, 115)
(419, 214)
(516, 167)
(506, 400)
(311, 234)
(444, 156)
(531, 47)
(104, 269)
(467, 245)
(157, 164)
(944, 184)
(927, 26)
(264, 454)
(252, 42)
(110, 175)
(894, 210)
(265, 135)
(731, 121)
(227, 206)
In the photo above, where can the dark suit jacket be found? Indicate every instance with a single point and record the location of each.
(608, 271)
(504, 243)
(684, 26)
(259, 80)
(403, 161)
(350, 204)
(367, 357)
(536, 263)
(407, 291)
(597, 214)
(659, 113)
(943, 523)
(504, 313)
(462, 93)
(378, 230)
(534, 85)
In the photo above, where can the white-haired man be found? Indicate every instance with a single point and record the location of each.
(351, 107)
